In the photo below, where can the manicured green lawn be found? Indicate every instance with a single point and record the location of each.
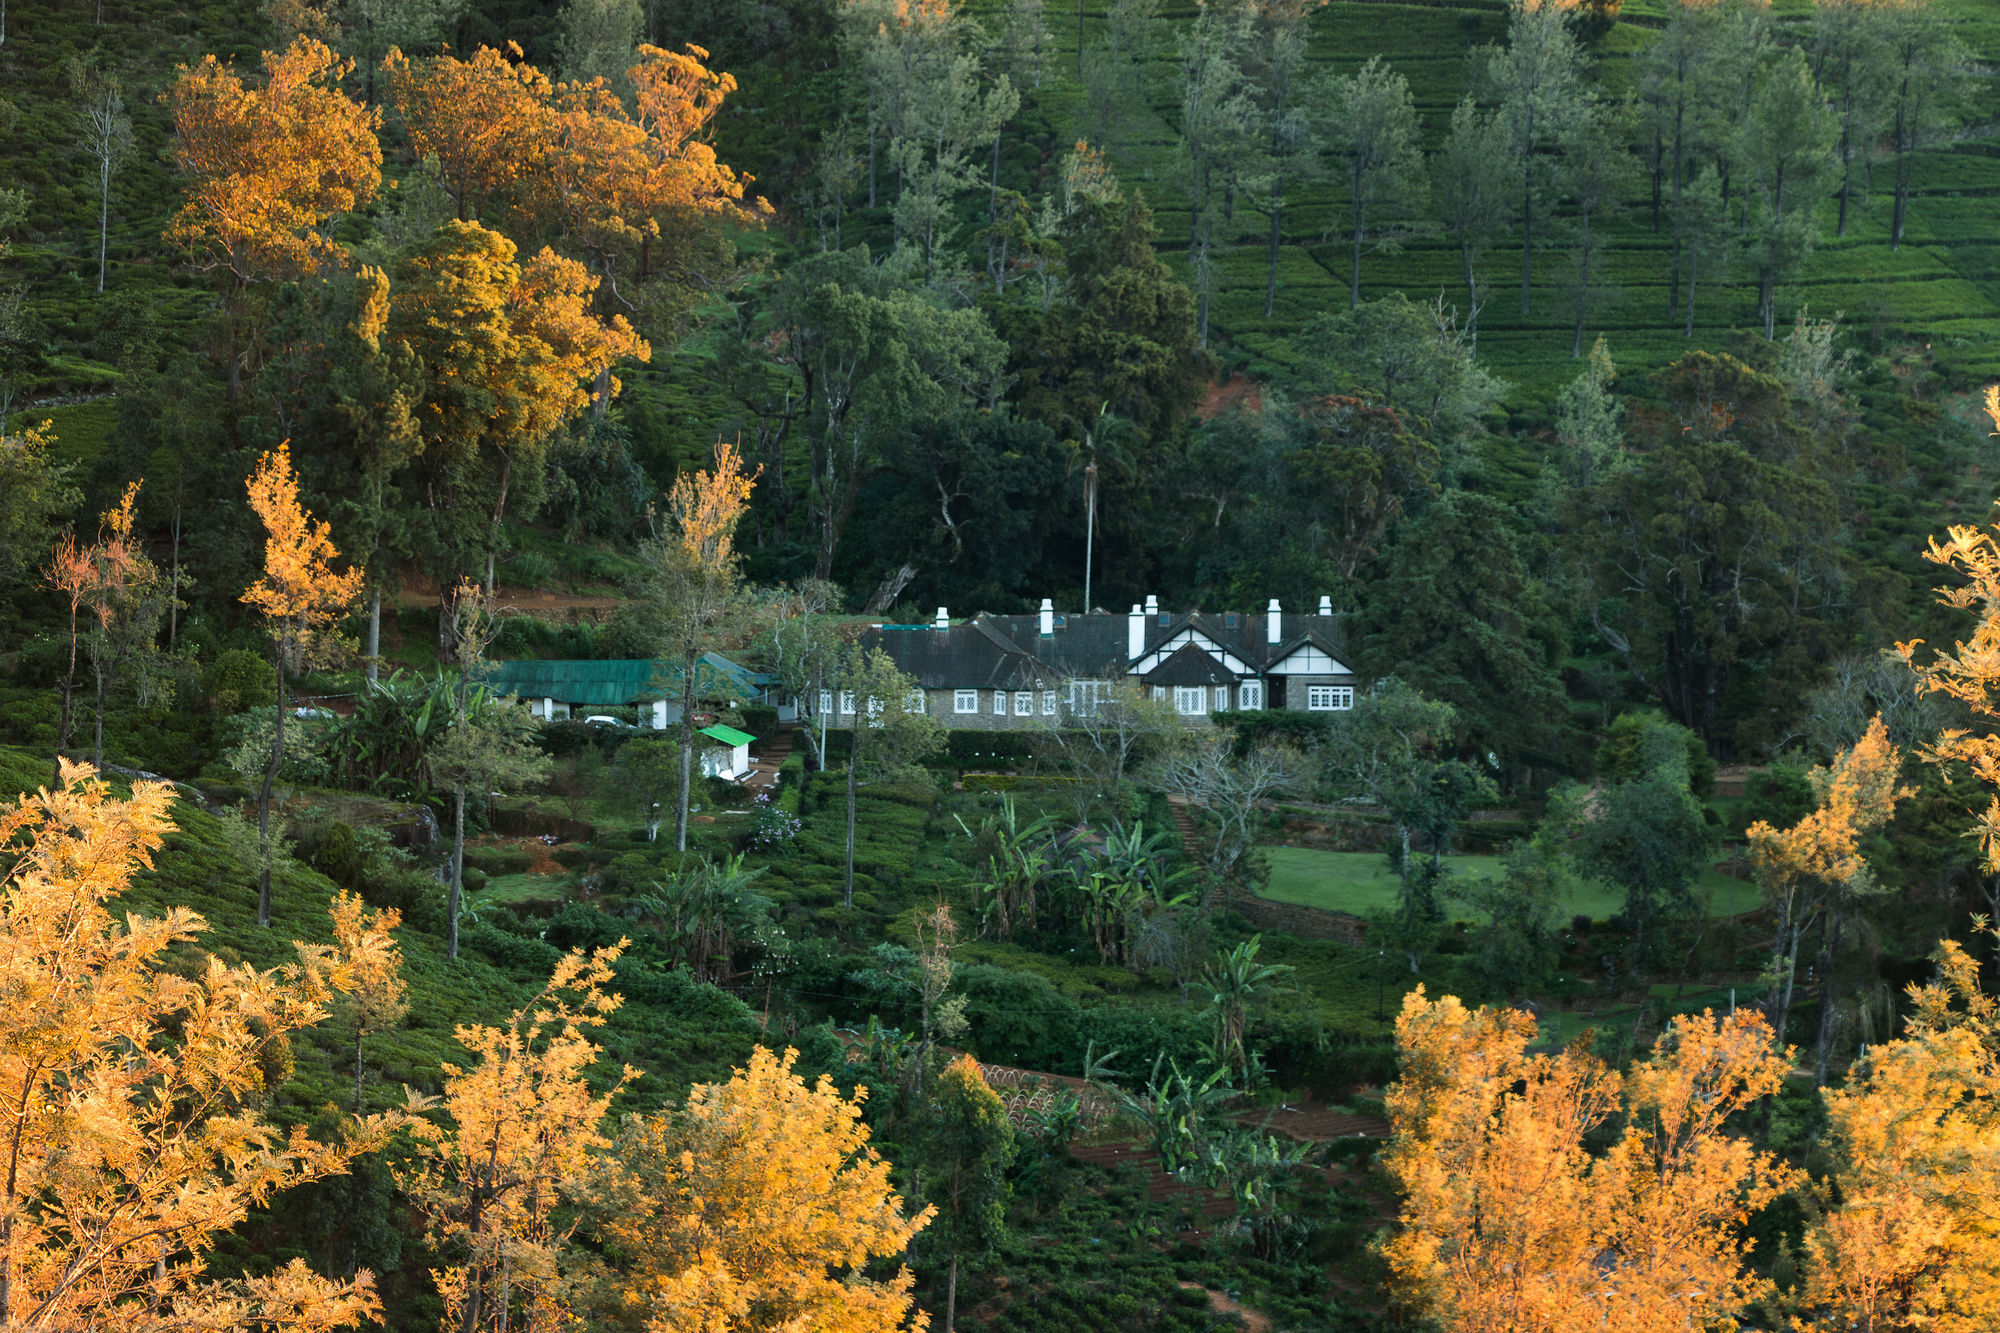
(1361, 882)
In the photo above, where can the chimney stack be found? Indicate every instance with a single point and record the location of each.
(1325, 605)
(1152, 606)
(1048, 618)
(1274, 633)
(1135, 633)
(943, 621)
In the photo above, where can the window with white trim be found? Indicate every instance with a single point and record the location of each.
(1159, 694)
(1024, 703)
(1221, 698)
(1048, 703)
(1329, 698)
(999, 703)
(1191, 700)
(825, 701)
(1085, 696)
(1250, 695)
(965, 701)
(847, 702)
(874, 711)
(913, 702)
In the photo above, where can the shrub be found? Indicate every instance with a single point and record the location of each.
(238, 681)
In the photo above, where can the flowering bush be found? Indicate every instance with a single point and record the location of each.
(774, 826)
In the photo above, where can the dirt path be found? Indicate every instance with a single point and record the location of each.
(1221, 1304)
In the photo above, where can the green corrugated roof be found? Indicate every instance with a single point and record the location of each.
(727, 735)
(610, 684)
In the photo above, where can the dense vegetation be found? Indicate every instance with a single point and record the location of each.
(1611, 367)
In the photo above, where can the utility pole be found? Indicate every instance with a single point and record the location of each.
(1089, 528)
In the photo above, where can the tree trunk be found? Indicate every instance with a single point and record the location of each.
(951, 1295)
(457, 866)
(1527, 238)
(1659, 148)
(99, 670)
(1079, 43)
(357, 1071)
(1829, 948)
(174, 597)
(872, 136)
(374, 637)
(1582, 290)
(1694, 268)
(688, 660)
(69, 689)
(1277, 235)
(264, 802)
(103, 211)
(1354, 271)
(853, 767)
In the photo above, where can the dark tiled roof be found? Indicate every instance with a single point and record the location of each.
(1189, 665)
(1009, 652)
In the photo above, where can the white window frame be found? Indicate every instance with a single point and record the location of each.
(1048, 703)
(965, 701)
(1085, 696)
(1250, 696)
(1024, 703)
(1159, 694)
(999, 703)
(825, 702)
(874, 711)
(1222, 698)
(913, 702)
(847, 703)
(1329, 698)
(1197, 695)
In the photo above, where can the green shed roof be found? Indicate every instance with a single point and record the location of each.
(727, 735)
(609, 684)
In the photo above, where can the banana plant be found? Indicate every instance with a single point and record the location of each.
(1021, 866)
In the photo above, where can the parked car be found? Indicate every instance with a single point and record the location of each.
(603, 720)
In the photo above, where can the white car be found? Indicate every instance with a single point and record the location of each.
(601, 720)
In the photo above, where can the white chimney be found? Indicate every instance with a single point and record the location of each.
(1135, 633)
(1325, 605)
(943, 620)
(1152, 605)
(1274, 633)
(1048, 618)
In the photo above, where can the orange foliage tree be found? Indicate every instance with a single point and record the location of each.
(518, 1144)
(102, 576)
(1509, 1222)
(268, 169)
(1814, 870)
(1916, 1138)
(635, 189)
(755, 1208)
(508, 354)
(373, 1000)
(132, 1134)
(692, 582)
(1970, 671)
(301, 598)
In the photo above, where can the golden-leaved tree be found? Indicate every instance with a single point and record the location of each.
(1911, 1239)
(301, 599)
(517, 1145)
(509, 353)
(1813, 871)
(106, 577)
(268, 169)
(374, 999)
(691, 585)
(1510, 1224)
(131, 1125)
(1914, 1243)
(755, 1208)
(636, 190)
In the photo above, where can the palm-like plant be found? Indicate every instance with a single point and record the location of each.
(1125, 885)
(1233, 984)
(706, 913)
(1021, 866)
